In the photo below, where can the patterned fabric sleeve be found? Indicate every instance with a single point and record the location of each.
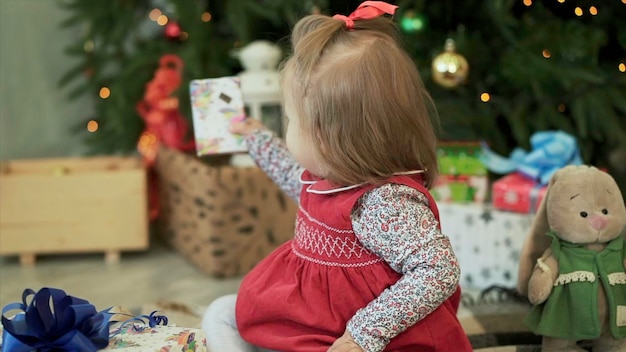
(270, 153)
(395, 222)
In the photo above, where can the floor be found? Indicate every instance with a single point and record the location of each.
(160, 279)
(154, 275)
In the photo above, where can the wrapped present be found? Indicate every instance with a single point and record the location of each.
(517, 193)
(224, 219)
(55, 321)
(487, 242)
(551, 150)
(215, 102)
(135, 338)
(462, 176)
(51, 320)
(460, 158)
(460, 189)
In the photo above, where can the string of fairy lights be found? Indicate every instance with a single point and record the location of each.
(171, 30)
(546, 53)
(410, 22)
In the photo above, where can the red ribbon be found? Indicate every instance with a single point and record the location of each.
(164, 122)
(366, 11)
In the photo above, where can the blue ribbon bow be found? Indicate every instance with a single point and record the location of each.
(551, 150)
(54, 321)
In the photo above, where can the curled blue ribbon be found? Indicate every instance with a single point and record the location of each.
(142, 322)
(54, 321)
(551, 150)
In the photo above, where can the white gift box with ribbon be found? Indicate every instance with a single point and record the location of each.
(487, 242)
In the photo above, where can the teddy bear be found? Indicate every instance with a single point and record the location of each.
(573, 263)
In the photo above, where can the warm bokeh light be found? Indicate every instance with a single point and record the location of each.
(485, 97)
(206, 17)
(578, 11)
(621, 67)
(561, 1)
(105, 92)
(154, 14)
(92, 126)
(561, 107)
(593, 10)
(546, 53)
(147, 145)
(528, 2)
(162, 20)
(183, 36)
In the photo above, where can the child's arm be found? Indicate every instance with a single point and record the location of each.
(270, 153)
(394, 222)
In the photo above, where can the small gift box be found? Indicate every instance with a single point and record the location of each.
(518, 193)
(523, 189)
(460, 158)
(460, 189)
(215, 102)
(462, 176)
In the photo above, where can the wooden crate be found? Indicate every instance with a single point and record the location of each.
(73, 205)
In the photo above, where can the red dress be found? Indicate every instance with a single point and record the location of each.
(302, 295)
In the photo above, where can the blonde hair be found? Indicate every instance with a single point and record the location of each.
(360, 100)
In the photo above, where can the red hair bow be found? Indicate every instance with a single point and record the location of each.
(366, 11)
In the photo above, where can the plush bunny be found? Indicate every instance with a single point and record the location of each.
(572, 265)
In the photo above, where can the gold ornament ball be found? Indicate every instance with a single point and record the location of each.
(450, 68)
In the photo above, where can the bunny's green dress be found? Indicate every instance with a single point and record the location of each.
(571, 310)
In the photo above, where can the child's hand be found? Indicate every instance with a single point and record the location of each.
(345, 344)
(245, 125)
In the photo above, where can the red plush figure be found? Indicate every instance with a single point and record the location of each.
(164, 122)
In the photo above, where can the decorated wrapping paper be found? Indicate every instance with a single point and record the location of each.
(462, 175)
(215, 102)
(486, 241)
(223, 219)
(517, 193)
(460, 158)
(460, 189)
(157, 339)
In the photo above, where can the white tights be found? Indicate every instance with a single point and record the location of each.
(221, 329)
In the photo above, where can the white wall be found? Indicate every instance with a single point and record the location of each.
(36, 118)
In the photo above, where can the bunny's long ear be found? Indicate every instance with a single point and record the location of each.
(536, 242)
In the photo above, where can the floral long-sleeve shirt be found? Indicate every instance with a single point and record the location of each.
(425, 257)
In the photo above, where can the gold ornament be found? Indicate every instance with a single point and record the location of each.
(450, 68)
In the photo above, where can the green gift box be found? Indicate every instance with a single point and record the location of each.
(460, 189)
(460, 158)
(462, 176)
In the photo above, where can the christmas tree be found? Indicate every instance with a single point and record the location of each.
(517, 66)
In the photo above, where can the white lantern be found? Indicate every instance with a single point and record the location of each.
(260, 83)
(260, 88)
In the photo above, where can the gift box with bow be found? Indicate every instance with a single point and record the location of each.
(529, 172)
(50, 320)
(462, 176)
